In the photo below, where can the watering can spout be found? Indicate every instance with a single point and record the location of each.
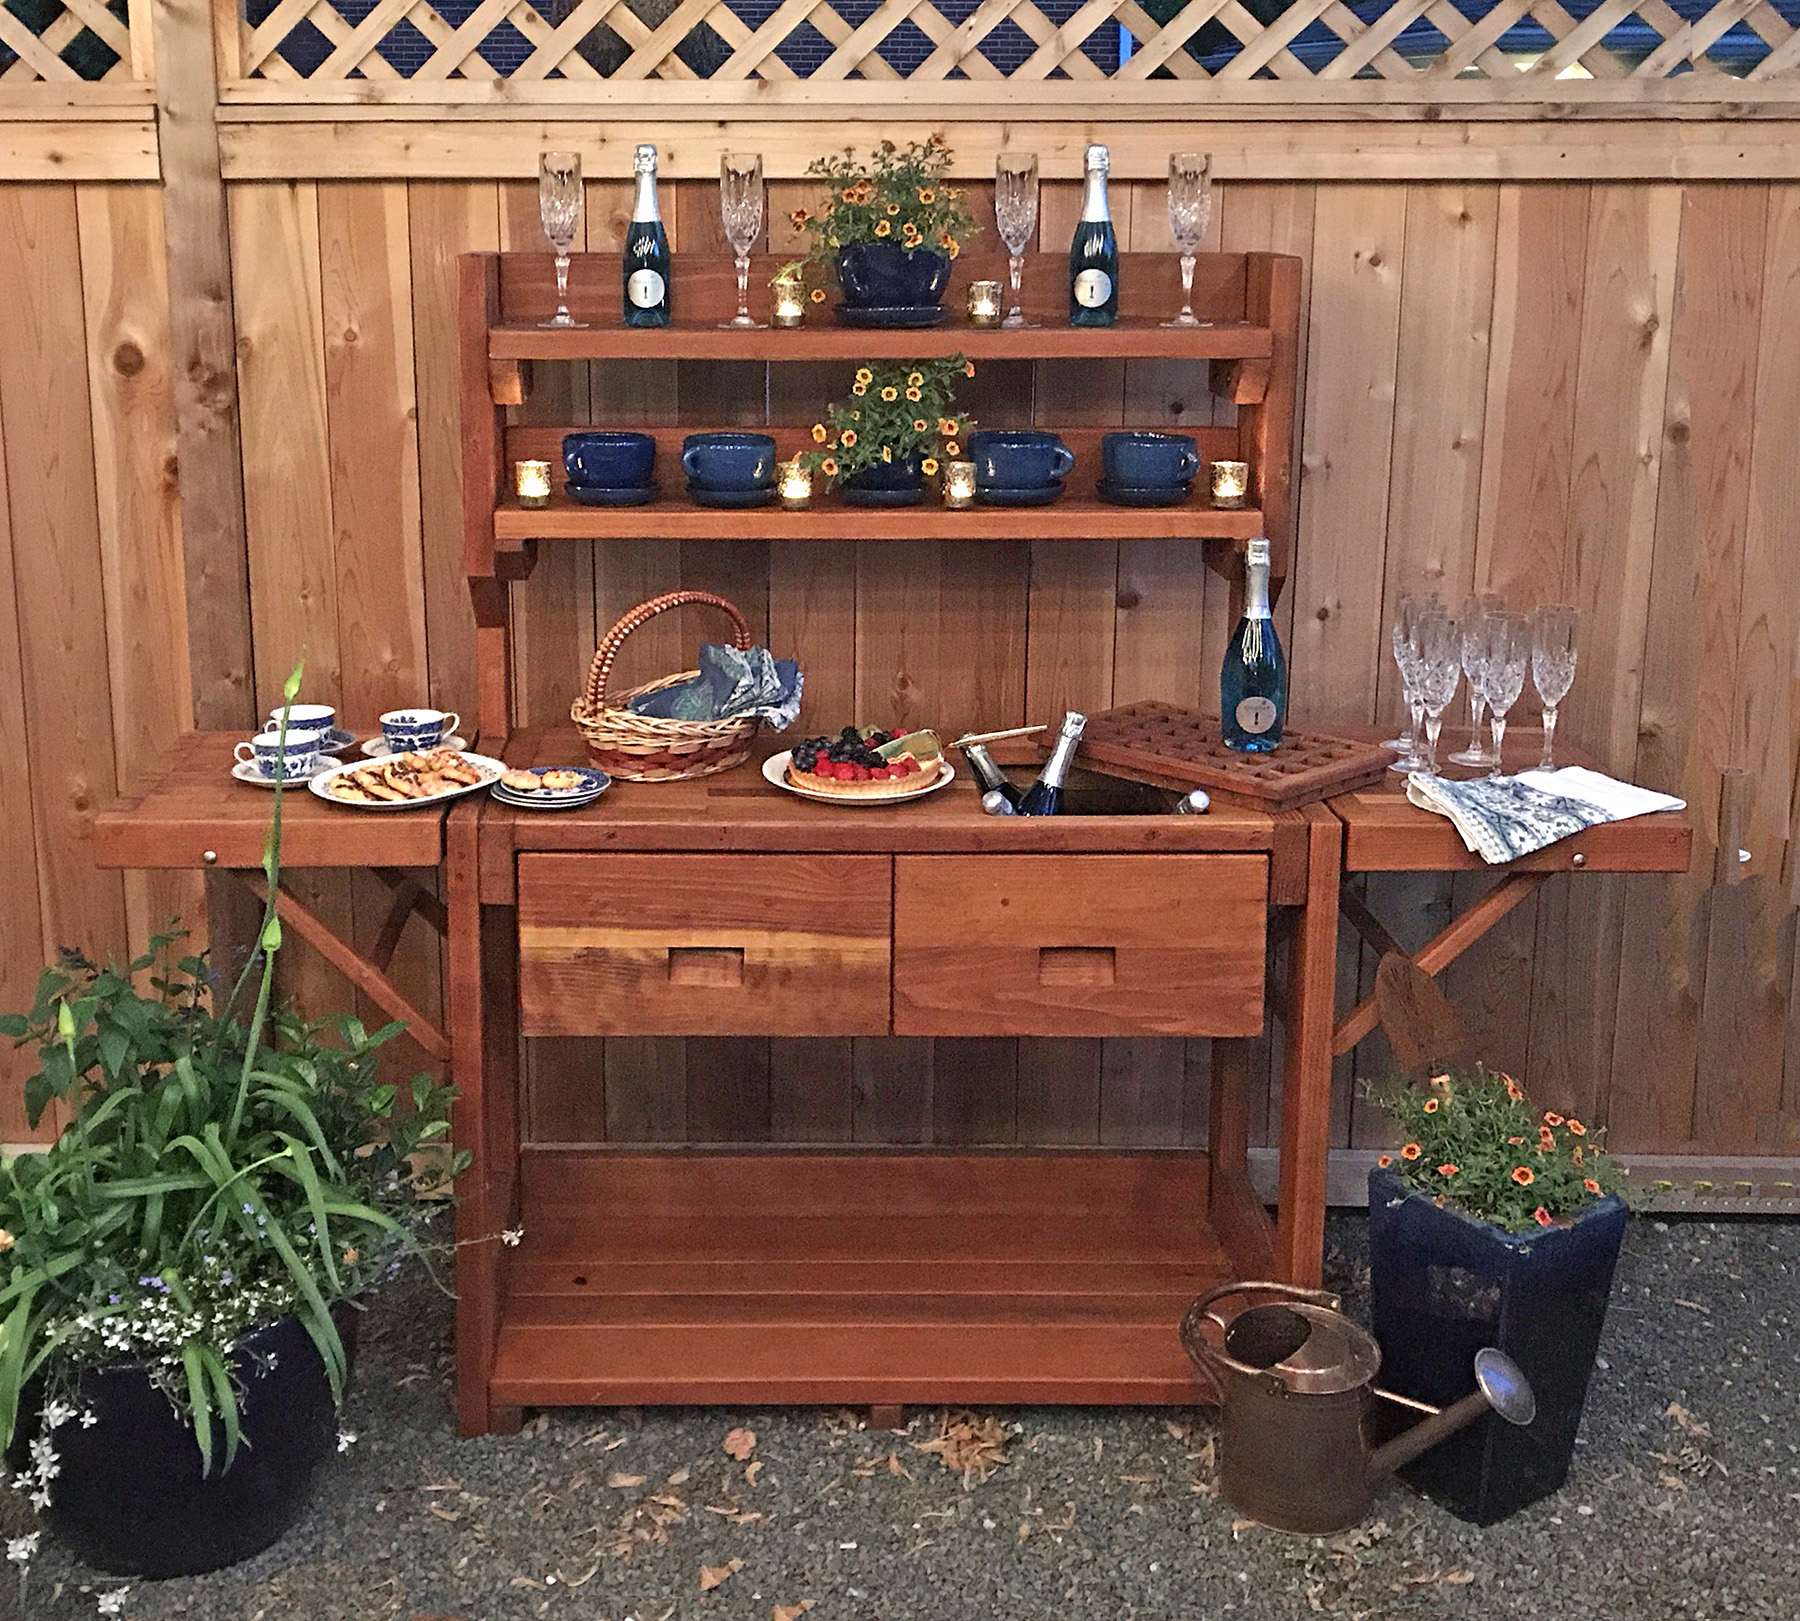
(1499, 1385)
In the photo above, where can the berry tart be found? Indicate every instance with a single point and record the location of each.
(848, 766)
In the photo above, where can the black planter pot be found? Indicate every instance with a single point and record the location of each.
(1445, 1285)
(131, 1498)
(899, 483)
(879, 275)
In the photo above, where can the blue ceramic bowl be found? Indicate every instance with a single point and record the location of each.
(1018, 458)
(1149, 461)
(879, 275)
(609, 461)
(729, 461)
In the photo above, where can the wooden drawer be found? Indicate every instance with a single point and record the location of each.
(718, 945)
(1079, 945)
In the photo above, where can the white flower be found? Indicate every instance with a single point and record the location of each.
(346, 1440)
(22, 1550)
(43, 1458)
(57, 1414)
(89, 1418)
(512, 1237)
(112, 1603)
(40, 1500)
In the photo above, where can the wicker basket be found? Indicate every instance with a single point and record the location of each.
(644, 748)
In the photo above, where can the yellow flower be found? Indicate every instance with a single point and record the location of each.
(914, 394)
(928, 466)
(893, 208)
(818, 433)
(352, 1255)
(800, 216)
(864, 375)
(1431, 1105)
(915, 378)
(948, 425)
(1441, 1082)
(829, 466)
(847, 438)
(927, 195)
(951, 448)
(6, 1239)
(953, 248)
(890, 393)
(887, 453)
(1411, 1151)
(882, 227)
(818, 295)
(859, 389)
(920, 425)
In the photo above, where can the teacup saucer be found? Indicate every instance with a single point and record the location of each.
(907, 316)
(1035, 495)
(702, 497)
(1144, 495)
(377, 747)
(248, 771)
(604, 495)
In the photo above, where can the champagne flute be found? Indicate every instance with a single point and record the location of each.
(1553, 634)
(1440, 670)
(1015, 212)
(1404, 634)
(1506, 650)
(741, 207)
(559, 211)
(1476, 608)
(1190, 213)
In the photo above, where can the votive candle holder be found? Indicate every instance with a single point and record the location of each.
(1230, 484)
(959, 484)
(984, 303)
(794, 485)
(531, 480)
(788, 300)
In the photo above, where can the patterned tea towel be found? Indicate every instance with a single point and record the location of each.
(730, 683)
(1503, 818)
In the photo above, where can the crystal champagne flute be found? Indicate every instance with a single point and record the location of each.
(1015, 213)
(1406, 746)
(559, 211)
(1440, 670)
(1554, 630)
(741, 207)
(1190, 214)
(1506, 650)
(1476, 608)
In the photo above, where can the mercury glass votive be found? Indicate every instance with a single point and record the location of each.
(959, 484)
(984, 303)
(1230, 483)
(532, 481)
(788, 294)
(794, 486)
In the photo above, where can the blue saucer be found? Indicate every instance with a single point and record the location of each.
(1036, 495)
(1144, 495)
(894, 316)
(702, 497)
(600, 495)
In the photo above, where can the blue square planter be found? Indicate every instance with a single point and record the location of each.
(1443, 1286)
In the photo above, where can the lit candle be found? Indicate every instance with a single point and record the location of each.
(959, 484)
(532, 481)
(1230, 483)
(984, 303)
(789, 300)
(795, 486)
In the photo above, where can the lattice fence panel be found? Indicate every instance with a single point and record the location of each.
(70, 42)
(1399, 41)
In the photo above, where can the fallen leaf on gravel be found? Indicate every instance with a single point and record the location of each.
(793, 1612)
(712, 1575)
(537, 1426)
(1437, 1578)
(1238, 1527)
(526, 1581)
(583, 1579)
(624, 1482)
(1685, 1421)
(680, 1477)
(896, 1467)
(730, 1511)
(751, 1471)
(1177, 1432)
(450, 1485)
(968, 1446)
(740, 1444)
(671, 1502)
(442, 1513)
(1138, 1480)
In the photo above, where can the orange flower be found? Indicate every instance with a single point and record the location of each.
(953, 247)
(882, 227)
(1591, 1185)
(887, 453)
(859, 389)
(848, 436)
(1513, 1090)
(1546, 1138)
(928, 466)
(1385, 1161)
(1542, 1217)
(947, 425)
(1431, 1105)
(1446, 1170)
(818, 433)
(914, 378)
(950, 448)
(818, 295)
(927, 195)
(893, 208)
(1411, 1151)
(1515, 1141)
(968, 368)
(1578, 1128)
(1523, 1175)
(890, 394)
(829, 466)
(1552, 1119)
(915, 395)
(1441, 1082)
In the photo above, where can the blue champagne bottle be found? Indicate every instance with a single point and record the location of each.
(1094, 253)
(1044, 797)
(1253, 685)
(647, 280)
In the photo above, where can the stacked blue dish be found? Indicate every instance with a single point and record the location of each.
(610, 469)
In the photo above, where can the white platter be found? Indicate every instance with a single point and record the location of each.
(775, 770)
(377, 747)
(490, 768)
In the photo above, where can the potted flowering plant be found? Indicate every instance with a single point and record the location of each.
(177, 1269)
(889, 227)
(1492, 1224)
(895, 431)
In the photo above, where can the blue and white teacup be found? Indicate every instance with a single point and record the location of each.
(303, 718)
(405, 729)
(282, 759)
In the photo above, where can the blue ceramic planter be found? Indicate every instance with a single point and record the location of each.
(899, 483)
(1444, 1285)
(877, 275)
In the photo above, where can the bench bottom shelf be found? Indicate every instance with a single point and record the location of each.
(1011, 1277)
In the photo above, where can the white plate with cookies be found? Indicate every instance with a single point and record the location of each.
(408, 781)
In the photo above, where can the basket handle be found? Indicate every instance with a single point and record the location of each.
(600, 670)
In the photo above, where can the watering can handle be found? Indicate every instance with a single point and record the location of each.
(1293, 1291)
(1209, 1358)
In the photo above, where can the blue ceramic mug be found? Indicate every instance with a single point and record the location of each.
(405, 729)
(1149, 461)
(729, 461)
(1018, 458)
(609, 461)
(282, 759)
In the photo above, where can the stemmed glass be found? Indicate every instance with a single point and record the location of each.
(559, 210)
(741, 206)
(1506, 650)
(1406, 620)
(1190, 213)
(1476, 608)
(1440, 670)
(1553, 632)
(1015, 212)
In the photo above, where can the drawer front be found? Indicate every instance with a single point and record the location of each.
(718, 945)
(1079, 945)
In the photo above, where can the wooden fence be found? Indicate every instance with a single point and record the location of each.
(1580, 386)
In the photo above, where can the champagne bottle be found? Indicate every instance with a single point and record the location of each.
(999, 797)
(1044, 797)
(1094, 254)
(646, 250)
(1253, 685)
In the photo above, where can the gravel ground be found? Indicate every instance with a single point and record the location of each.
(1684, 1501)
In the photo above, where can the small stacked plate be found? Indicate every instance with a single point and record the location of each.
(588, 787)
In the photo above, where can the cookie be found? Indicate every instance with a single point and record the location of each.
(561, 781)
(524, 782)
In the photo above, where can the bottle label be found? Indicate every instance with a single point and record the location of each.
(1255, 715)
(645, 289)
(1092, 289)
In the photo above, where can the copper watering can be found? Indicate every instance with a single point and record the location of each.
(1296, 1382)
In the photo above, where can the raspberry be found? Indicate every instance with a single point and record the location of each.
(859, 773)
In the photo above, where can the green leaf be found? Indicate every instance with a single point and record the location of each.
(226, 1397)
(15, 1025)
(199, 1401)
(15, 1335)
